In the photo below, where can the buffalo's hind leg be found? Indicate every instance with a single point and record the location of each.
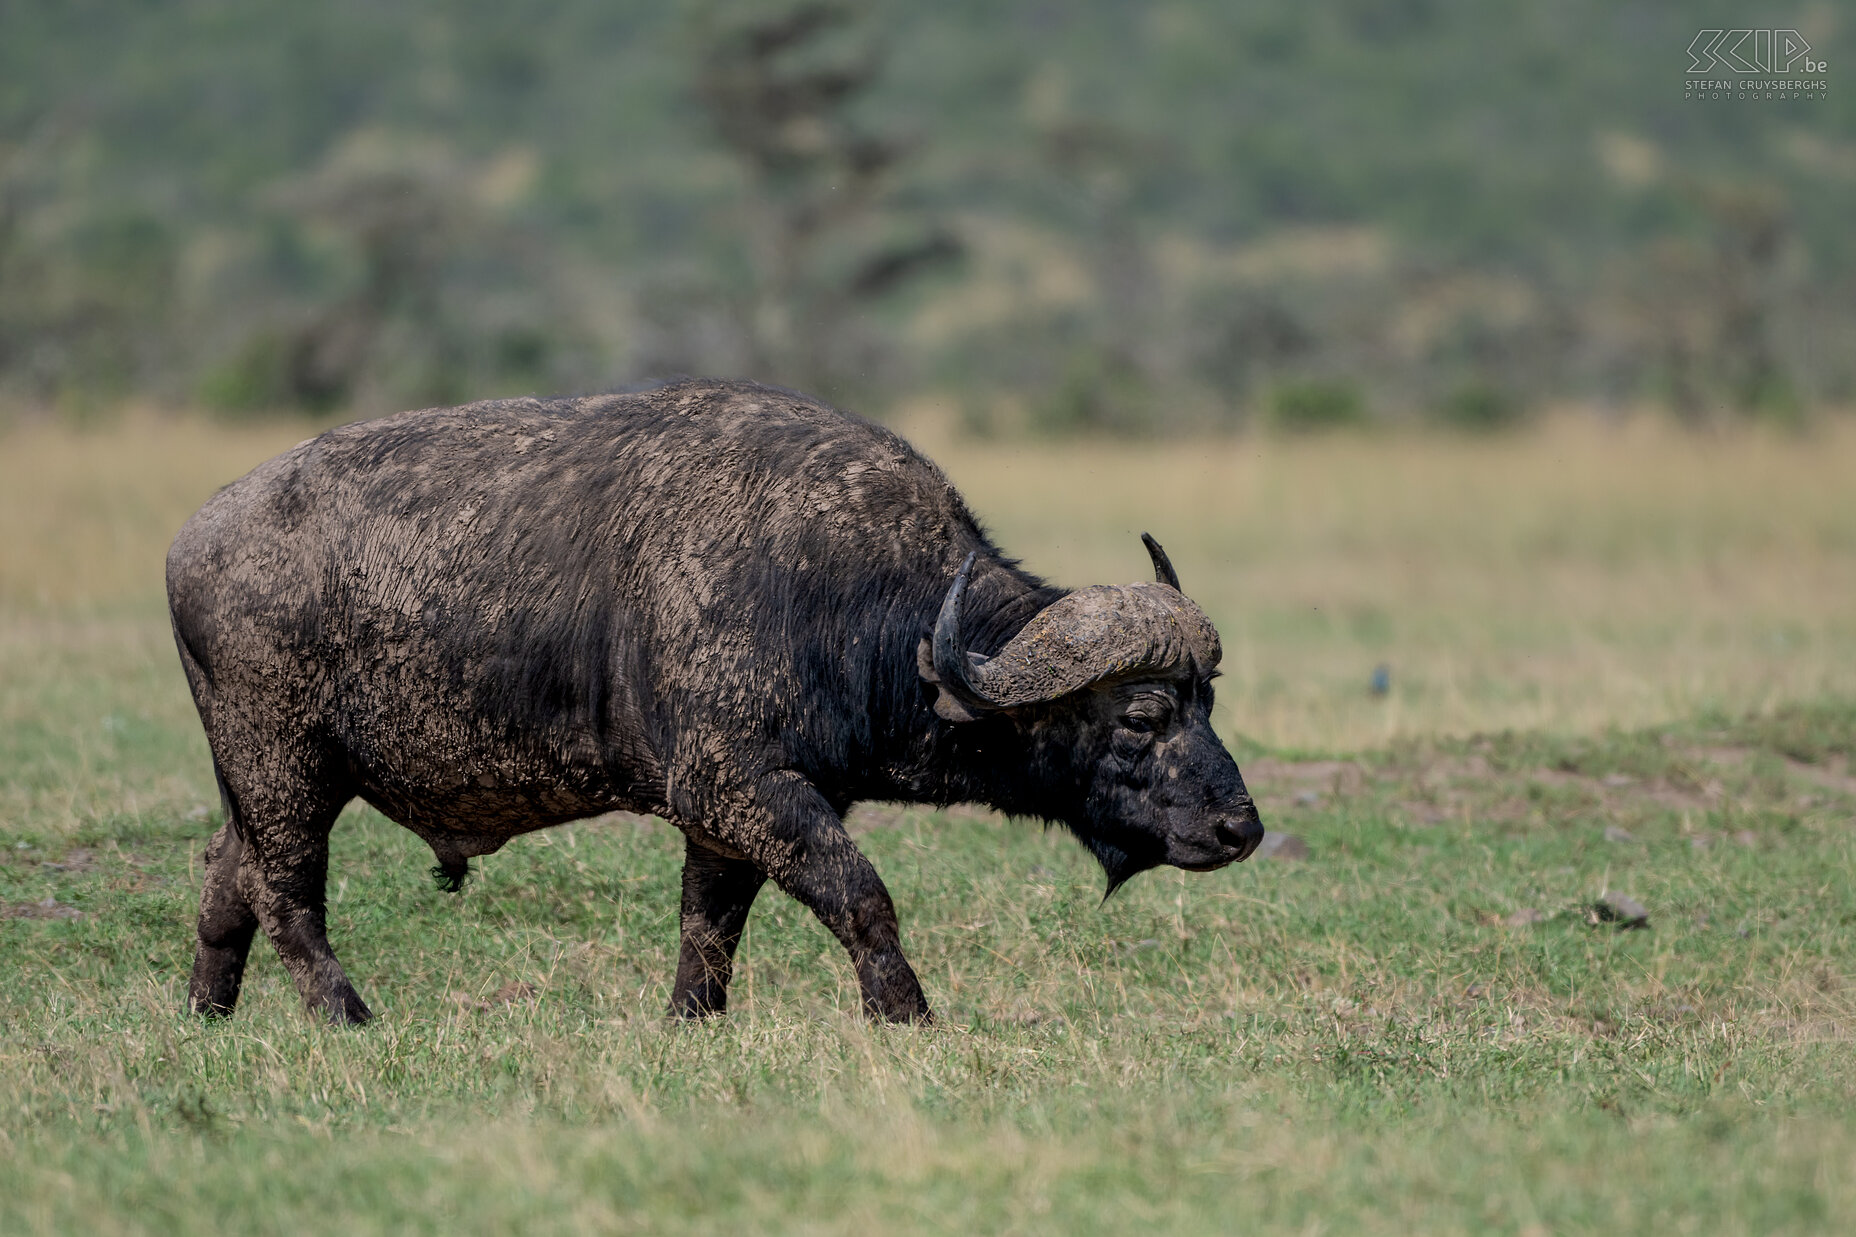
(282, 813)
(717, 895)
(227, 926)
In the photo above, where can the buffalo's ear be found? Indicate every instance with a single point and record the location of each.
(945, 705)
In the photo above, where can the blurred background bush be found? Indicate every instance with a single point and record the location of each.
(1087, 218)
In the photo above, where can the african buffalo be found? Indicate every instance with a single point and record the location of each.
(724, 604)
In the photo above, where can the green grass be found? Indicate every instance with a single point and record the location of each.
(1652, 635)
(1358, 1041)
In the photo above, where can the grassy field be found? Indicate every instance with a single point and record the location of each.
(1622, 661)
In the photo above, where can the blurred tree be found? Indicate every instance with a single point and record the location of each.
(1750, 231)
(425, 261)
(1110, 378)
(1311, 405)
(82, 287)
(1712, 298)
(781, 87)
(403, 222)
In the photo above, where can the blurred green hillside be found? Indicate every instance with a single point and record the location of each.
(1087, 217)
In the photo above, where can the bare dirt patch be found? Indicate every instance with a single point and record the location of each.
(1438, 788)
(73, 861)
(1280, 785)
(1835, 777)
(50, 908)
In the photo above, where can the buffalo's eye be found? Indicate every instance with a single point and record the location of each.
(1147, 716)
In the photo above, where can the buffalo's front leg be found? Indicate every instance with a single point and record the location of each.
(717, 894)
(791, 833)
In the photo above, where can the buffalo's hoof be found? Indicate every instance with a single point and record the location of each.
(694, 1007)
(198, 1008)
(903, 1012)
(343, 1009)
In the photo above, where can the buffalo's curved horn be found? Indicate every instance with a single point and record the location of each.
(1104, 633)
(952, 667)
(1099, 634)
(1163, 566)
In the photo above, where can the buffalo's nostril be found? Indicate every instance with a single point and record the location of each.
(1242, 835)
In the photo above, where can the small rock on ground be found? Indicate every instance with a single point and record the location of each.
(1615, 908)
(1525, 916)
(1281, 846)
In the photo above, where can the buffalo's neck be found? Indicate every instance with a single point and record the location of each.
(921, 758)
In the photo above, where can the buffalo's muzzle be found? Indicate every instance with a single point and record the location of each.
(1241, 835)
(1228, 839)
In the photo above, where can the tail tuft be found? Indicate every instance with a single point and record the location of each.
(449, 876)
